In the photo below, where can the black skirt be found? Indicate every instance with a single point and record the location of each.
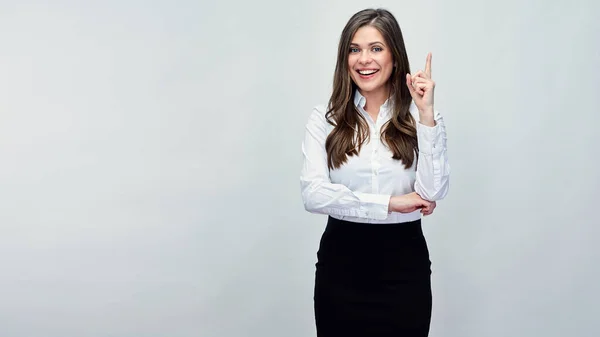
(372, 280)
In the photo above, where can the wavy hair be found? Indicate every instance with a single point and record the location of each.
(350, 127)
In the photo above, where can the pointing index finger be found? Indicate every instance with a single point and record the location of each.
(428, 65)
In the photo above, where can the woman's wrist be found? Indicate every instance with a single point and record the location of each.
(426, 117)
(393, 206)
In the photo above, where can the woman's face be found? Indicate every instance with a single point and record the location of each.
(369, 60)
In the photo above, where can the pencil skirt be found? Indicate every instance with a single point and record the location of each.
(372, 280)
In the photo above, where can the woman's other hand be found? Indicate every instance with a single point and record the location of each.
(409, 203)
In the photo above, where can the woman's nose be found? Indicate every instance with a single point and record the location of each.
(365, 57)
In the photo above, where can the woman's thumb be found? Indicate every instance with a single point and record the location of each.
(409, 83)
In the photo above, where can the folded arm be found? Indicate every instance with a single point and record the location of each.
(319, 194)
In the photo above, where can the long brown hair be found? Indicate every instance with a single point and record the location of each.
(350, 127)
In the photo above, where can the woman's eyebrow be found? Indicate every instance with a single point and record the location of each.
(370, 44)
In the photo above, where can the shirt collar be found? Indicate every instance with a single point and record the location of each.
(360, 101)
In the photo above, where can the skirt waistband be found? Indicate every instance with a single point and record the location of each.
(410, 228)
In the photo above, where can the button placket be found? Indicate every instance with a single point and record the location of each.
(375, 164)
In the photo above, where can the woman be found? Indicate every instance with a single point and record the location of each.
(374, 162)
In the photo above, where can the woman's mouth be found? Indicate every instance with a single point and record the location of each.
(367, 73)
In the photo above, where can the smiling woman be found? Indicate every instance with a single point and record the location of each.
(374, 162)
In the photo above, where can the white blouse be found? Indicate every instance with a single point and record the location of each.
(360, 189)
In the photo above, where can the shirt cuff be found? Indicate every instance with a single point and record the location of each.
(374, 206)
(430, 138)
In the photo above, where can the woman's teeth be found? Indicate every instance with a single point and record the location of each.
(367, 72)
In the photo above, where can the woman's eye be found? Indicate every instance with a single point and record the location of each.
(354, 50)
(377, 49)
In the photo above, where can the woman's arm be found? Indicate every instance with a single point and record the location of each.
(433, 171)
(318, 193)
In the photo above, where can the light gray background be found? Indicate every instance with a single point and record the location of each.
(150, 156)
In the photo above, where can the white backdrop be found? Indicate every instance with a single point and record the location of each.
(149, 183)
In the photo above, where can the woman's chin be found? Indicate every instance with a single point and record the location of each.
(370, 87)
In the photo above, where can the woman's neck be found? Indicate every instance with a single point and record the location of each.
(375, 99)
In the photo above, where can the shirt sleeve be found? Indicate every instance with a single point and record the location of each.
(319, 195)
(433, 170)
